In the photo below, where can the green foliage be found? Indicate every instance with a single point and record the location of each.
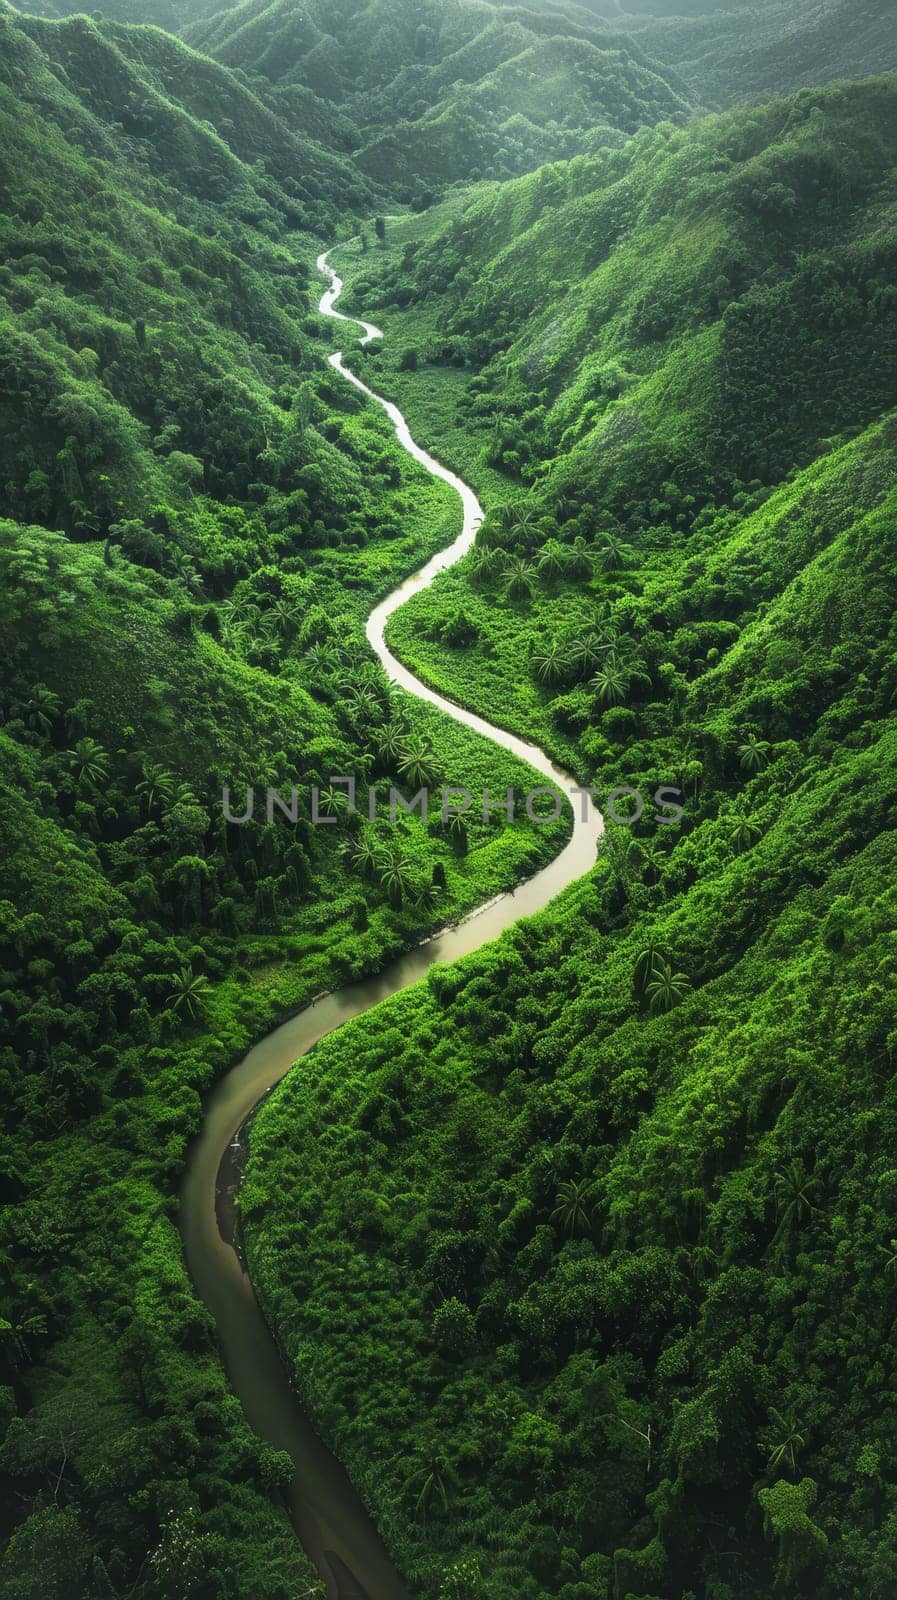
(582, 1253)
(434, 93)
(644, 1141)
(727, 52)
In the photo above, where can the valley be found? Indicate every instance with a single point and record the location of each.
(558, 1155)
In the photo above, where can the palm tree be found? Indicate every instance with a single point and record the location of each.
(666, 988)
(322, 659)
(524, 524)
(390, 741)
(416, 761)
(240, 608)
(425, 893)
(456, 828)
(578, 562)
(364, 855)
(284, 615)
(552, 561)
(17, 1336)
(332, 801)
(792, 1191)
(183, 569)
(648, 962)
(363, 700)
(89, 760)
(42, 708)
(503, 515)
(396, 875)
(612, 551)
(187, 991)
(753, 753)
(786, 1441)
(551, 663)
(590, 649)
(743, 833)
(611, 683)
(519, 580)
(574, 1209)
(889, 1251)
(485, 564)
(155, 785)
(434, 1476)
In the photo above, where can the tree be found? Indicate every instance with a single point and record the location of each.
(391, 741)
(786, 1508)
(784, 1439)
(364, 855)
(578, 562)
(519, 583)
(612, 551)
(743, 833)
(550, 663)
(454, 1329)
(380, 229)
(552, 562)
(396, 875)
(156, 787)
(188, 989)
(42, 708)
(792, 1189)
(753, 753)
(574, 1207)
(416, 761)
(650, 960)
(484, 564)
(666, 988)
(435, 1478)
(89, 760)
(610, 683)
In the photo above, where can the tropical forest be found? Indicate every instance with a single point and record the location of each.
(448, 800)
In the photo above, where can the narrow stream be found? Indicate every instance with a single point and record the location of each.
(329, 1518)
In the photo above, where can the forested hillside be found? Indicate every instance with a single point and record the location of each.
(436, 92)
(196, 522)
(729, 50)
(721, 302)
(594, 1285)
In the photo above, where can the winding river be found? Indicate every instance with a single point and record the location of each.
(328, 1516)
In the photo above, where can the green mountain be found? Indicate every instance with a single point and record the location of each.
(728, 50)
(442, 92)
(718, 304)
(621, 1272)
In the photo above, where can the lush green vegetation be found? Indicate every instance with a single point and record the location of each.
(595, 1277)
(199, 518)
(432, 92)
(592, 1289)
(732, 49)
